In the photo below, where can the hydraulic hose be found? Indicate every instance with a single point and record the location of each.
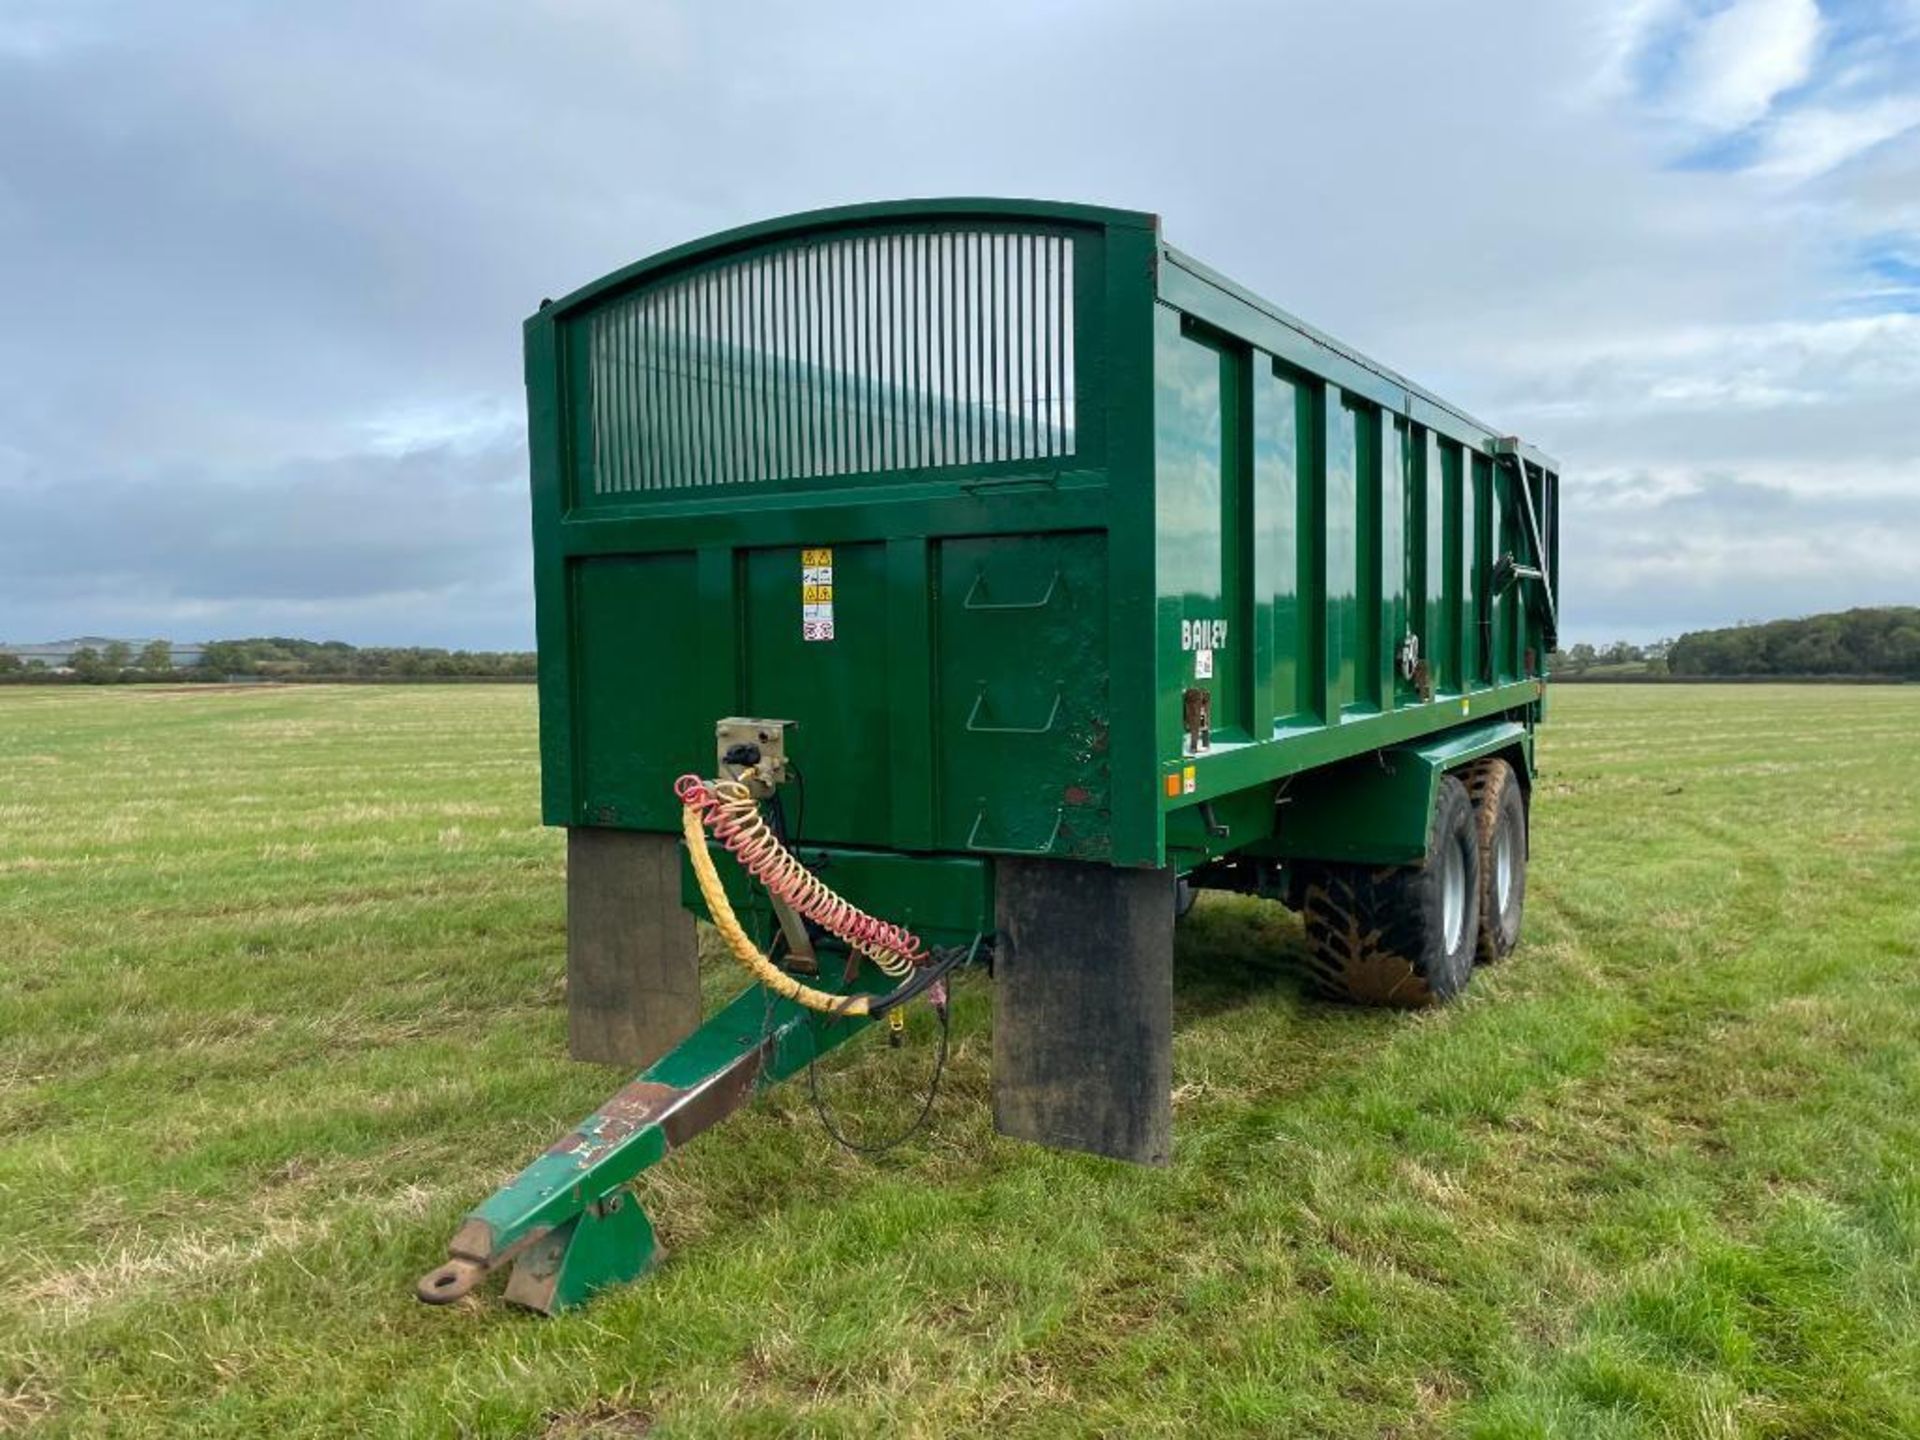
(743, 948)
(728, 808)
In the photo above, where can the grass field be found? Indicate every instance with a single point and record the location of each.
(280, 998)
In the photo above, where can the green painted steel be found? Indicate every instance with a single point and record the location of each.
(566, 1223)
(975, 491)
(1375, 807)
(944, 899)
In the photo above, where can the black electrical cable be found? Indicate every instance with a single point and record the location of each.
(839, 1137)
(945, 963)
(924, 978)
(918, 985)
(893, 1142)
(800, 803)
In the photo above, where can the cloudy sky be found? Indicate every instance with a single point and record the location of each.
(266, 263)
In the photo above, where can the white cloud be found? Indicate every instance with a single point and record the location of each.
(1672, 549)
(1765, 88)
(468, 425)
(1811, 141)
(1623, 33)
(1775, 363)
(1743, 57)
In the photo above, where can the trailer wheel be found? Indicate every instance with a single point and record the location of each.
(1183, 897)
(1401, 935)
(1500, 815)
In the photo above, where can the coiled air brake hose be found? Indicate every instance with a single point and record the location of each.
(728, 807)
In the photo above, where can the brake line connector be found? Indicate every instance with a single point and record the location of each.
(730, 810)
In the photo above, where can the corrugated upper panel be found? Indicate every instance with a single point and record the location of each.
(847, 355)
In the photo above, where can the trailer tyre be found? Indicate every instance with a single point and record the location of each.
(1183, 897)
(1500, 816)
(1402, 935)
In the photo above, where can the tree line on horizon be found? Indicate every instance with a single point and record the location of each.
(1880, 642)
(275, 657)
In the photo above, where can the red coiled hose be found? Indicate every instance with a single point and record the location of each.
(728, 809)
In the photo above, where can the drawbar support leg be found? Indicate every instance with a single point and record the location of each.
(633, 966)
(1083, 1008)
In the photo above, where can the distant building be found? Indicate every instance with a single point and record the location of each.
(58, 654)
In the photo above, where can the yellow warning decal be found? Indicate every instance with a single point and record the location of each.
(816, 593)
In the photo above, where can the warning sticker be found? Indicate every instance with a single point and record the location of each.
(816, 594)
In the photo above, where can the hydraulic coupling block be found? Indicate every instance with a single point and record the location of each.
(742, 743)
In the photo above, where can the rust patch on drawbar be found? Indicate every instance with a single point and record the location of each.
(636, 1106)
(727, 1092)
(473, 1241)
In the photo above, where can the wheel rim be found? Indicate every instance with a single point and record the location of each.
(1453, 894)
(1505, 863)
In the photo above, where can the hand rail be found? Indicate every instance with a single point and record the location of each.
(973, 718)
(973, 836)
(1539, 543)
(1049, 481)
(979, 578)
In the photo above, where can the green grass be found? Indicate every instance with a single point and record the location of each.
(280, 998)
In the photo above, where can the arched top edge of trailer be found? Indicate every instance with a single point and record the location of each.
(1180, 277)
(1416, 398)
(845, 217)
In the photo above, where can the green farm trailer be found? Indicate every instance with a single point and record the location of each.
(958, 580)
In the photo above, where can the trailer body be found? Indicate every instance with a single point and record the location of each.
(1035, 573)
(989, 497)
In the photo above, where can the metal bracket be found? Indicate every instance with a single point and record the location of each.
(1539, 543)
(740, 736)
(973, 836)
(973, 719)
(1409, 654)
(1507, 571)
(1049, 481)
(1196, 718)
(800, 956)
(979, 579)
(609, 1243)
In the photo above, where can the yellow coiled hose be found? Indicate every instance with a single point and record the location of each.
(743, 948)
(729, 808)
